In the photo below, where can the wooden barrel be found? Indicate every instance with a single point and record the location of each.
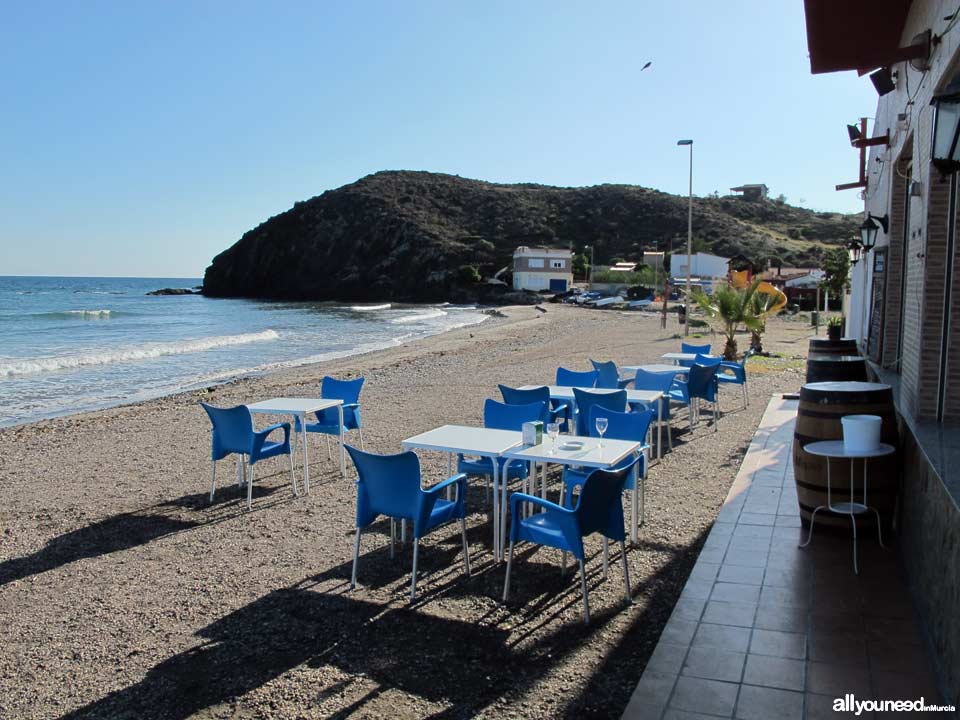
(826, 346)
(821, 406)
(837, 368)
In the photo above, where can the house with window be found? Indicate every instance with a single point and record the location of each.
(542, 269)
(904, 302)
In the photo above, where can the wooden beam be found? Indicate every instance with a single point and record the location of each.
(870, 142)
(850, 186)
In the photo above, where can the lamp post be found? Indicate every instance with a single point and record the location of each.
(590, 271)
(686, 325)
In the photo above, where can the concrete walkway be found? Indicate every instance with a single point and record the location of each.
(764, 629)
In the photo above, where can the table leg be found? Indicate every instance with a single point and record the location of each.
(449, 473)
(659, 428)
(853, 517)
(306, 459)
(496, 509)
(543, 482)
(504, 477)
(343, 450)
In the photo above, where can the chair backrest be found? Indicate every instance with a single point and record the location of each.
(574, 378)
(500, 416)
(600, 507)
(647, 380)
(347, 390)
(695, 349)
(586, 400)
(701, 382)
(608, 377)
(518, 396)
(386, 484)
(630, 426)
(232, 430)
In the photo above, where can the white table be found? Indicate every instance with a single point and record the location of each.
(630, 371)
(678, 357)
(482, 442)
(300, 408)
(560, 392)
(591, 455)
(835, 450)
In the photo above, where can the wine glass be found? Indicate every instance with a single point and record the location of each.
(601, 428)
(553, 429)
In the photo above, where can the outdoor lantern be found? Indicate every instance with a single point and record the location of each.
(854, 247)
(868, 231)
(946, 128)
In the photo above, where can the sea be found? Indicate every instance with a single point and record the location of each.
(71, 344)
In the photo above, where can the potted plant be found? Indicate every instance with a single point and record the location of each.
(835, 327)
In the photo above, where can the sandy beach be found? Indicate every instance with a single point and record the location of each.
(125, 594)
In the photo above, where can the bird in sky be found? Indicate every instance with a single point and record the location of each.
(648, 64)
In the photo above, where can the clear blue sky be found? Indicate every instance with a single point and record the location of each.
(143, 138)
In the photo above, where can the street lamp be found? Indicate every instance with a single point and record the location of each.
(869, 229)
(590, 271)
(686, 325)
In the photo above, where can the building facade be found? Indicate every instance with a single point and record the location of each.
(542, 269)
(904, 306)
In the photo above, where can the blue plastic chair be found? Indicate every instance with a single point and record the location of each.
(659, 382)
(233, 434)
(632, 426)
(701, 385)
(328, 421)
(585, 400)
(390, 485)
(516, 396)
(608, 376)
(500, 416)
(599, 509)
(735, 373)
(694, 350)
(573, 378)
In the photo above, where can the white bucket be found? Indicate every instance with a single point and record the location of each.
(861, 433)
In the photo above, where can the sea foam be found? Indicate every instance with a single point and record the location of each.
(29, 366)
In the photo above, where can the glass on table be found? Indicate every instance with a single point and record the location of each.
(553, 429)
(601, 428)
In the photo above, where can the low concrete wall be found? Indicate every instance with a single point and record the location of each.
(929, 536)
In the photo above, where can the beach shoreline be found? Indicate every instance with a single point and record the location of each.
(121, 585)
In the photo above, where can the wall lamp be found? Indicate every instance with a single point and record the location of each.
(853, 248)
(869, 229)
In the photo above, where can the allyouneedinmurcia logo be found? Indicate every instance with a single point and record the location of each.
(849, 703)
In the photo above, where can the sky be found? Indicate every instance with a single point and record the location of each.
(142, 139)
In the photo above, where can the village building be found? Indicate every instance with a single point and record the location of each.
(904, 305)
(542, 269)
(757, 191)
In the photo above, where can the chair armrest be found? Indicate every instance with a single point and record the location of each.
(350, 405)
(626, 383)
(518, 498)
(457, 479)
(260, 436)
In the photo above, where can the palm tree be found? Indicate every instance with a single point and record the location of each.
(733, 308)
(760, 306)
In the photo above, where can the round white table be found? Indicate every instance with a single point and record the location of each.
(835, 450)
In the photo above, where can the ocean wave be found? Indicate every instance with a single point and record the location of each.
(130, 354)
(367, 308)
(83, 314)
(419, 317)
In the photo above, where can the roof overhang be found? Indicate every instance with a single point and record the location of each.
(856, 34)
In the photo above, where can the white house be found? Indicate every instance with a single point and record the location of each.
(542, 269)
(709, 269)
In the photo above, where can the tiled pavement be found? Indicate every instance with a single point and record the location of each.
(764, 629)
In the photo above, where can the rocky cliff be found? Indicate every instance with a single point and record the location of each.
(418, 236)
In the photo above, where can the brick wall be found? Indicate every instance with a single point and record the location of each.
(894, 270)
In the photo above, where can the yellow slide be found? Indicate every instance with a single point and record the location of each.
(739, 279)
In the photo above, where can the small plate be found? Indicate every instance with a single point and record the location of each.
(572, 445)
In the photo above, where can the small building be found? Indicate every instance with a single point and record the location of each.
(757, 191)
(653, 258)
(623, 267)
(542, 269)
(703, 265)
